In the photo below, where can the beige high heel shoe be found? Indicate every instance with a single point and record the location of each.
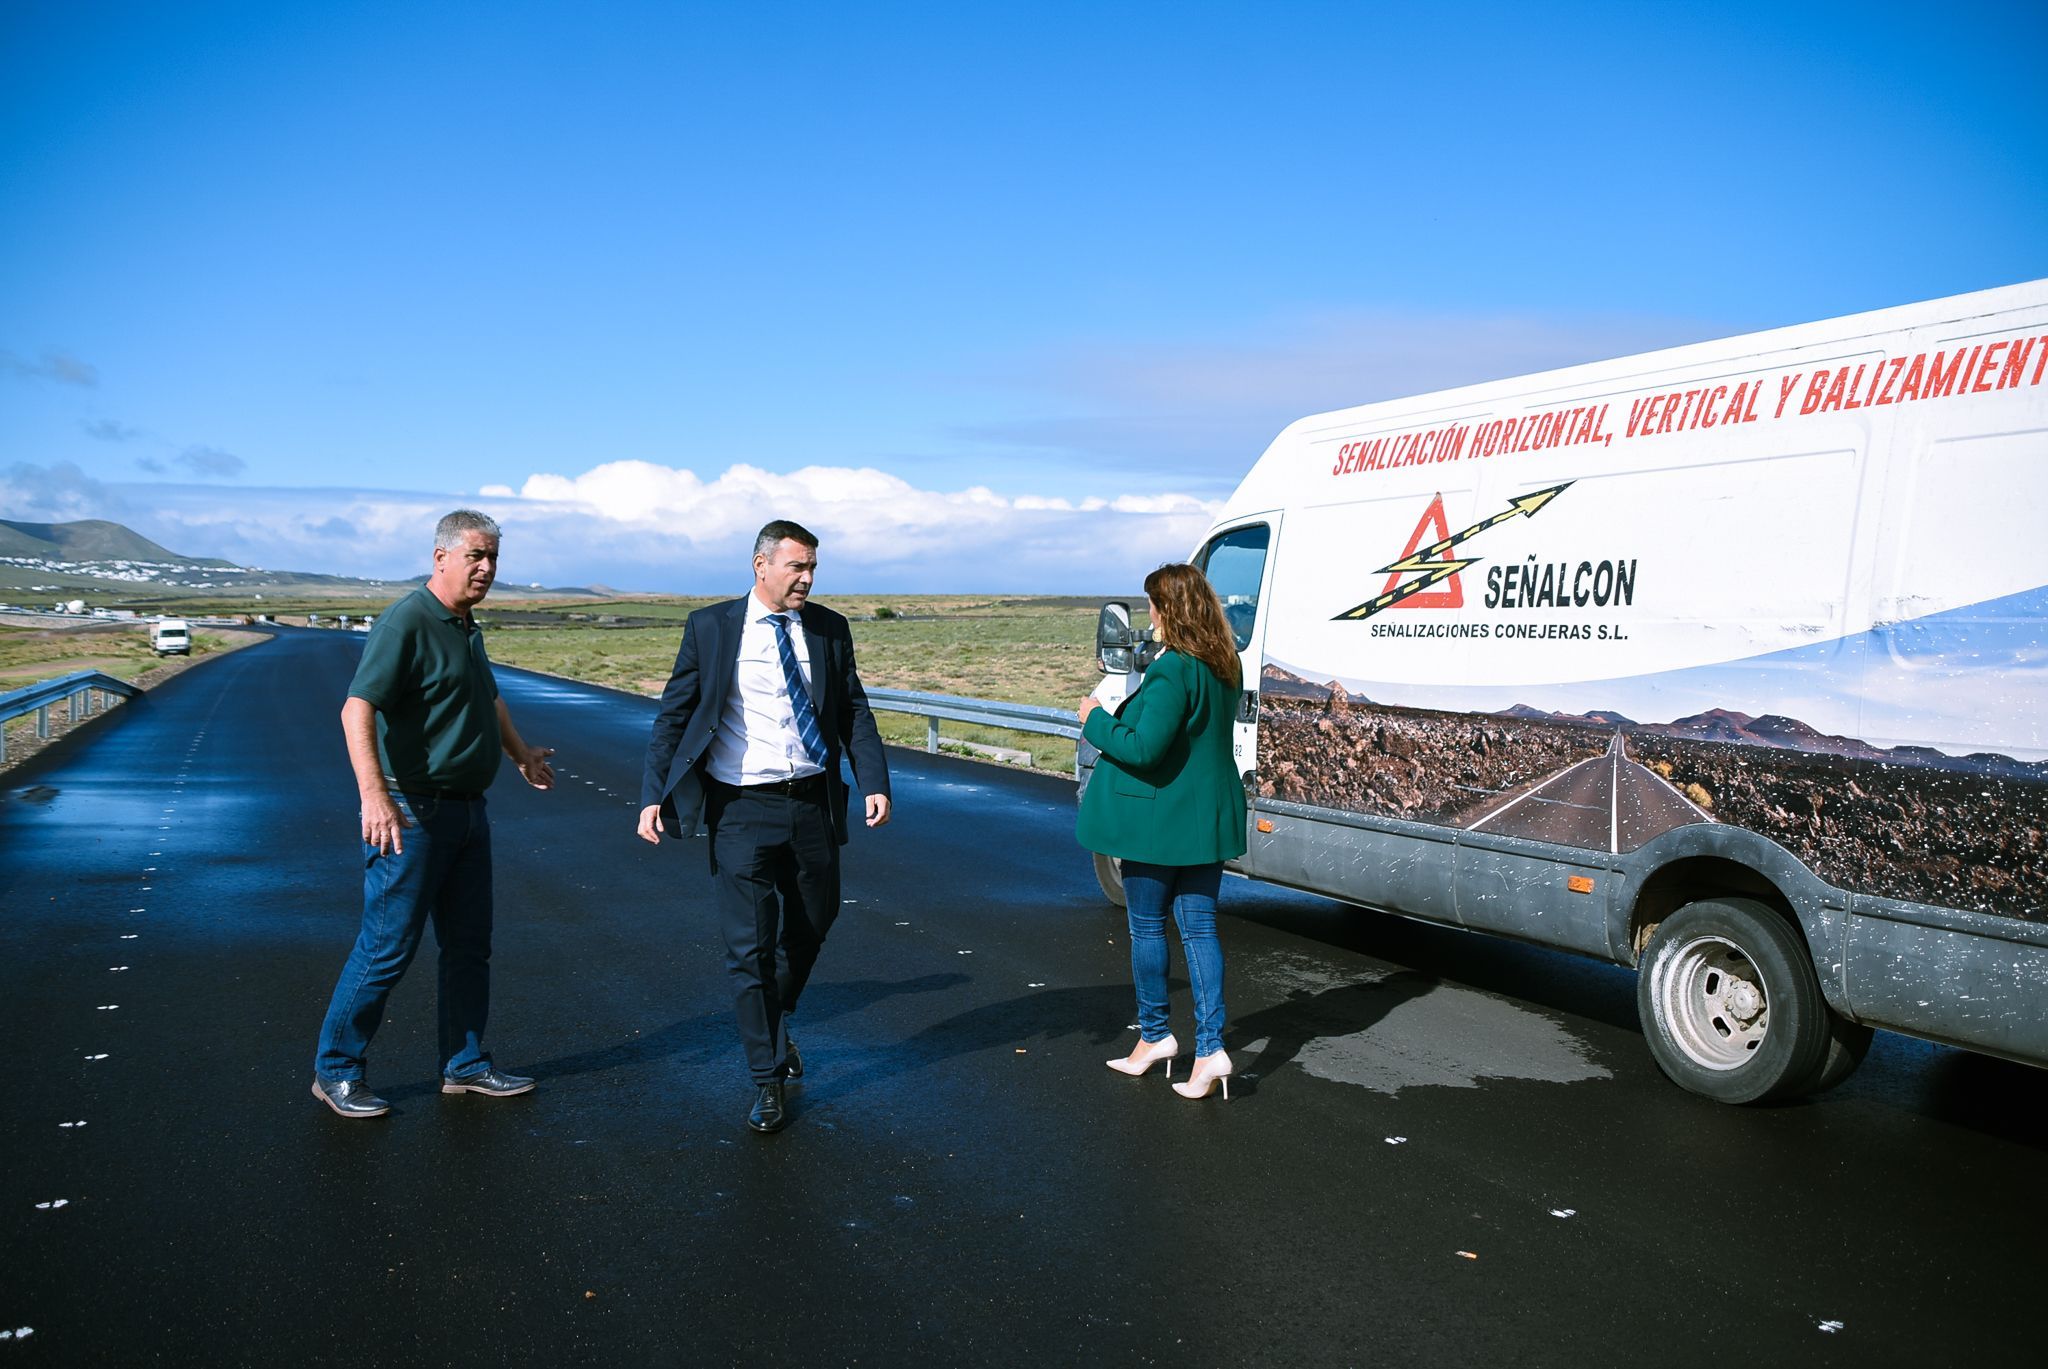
(1208, 1070)
(1146, 1054)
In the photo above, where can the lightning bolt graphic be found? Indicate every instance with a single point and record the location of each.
(1422, 561)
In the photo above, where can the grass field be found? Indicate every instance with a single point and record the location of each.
(1034, 650)
(31, 655)
(1020, 650)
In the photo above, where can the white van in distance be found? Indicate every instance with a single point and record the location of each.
(1728, 663)
(170, 637)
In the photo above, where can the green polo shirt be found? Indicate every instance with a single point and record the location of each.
(425, 672)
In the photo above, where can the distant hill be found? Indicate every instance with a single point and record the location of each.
(89, 539)
(93, 555)
(1604, 717)
(1282, 683)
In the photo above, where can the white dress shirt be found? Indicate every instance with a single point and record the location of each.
(757, 741)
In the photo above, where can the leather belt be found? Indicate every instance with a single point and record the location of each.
(804, 787)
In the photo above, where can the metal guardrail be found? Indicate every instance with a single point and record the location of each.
(75, 692)
(937, 708)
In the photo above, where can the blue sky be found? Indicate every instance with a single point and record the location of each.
(996, 297)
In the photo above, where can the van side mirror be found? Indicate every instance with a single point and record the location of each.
(1120, 648)
(1114, 639)
(1113, 629)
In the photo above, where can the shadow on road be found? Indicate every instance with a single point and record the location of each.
(1302, 1017)
(710, 1034)
(1535, 975)
(1097, 1014)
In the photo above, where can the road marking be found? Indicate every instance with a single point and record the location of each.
(1614, 795)
(1532, 794)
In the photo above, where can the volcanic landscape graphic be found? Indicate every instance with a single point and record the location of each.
(1906, 822)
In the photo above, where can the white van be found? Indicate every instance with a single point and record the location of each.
(170, 637)
(1728, 662)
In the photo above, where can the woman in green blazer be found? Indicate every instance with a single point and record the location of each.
(1166, 800)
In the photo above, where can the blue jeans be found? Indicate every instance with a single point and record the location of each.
(1191, 891)
(444, 873)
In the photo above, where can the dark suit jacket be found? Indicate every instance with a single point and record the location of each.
(693, 707)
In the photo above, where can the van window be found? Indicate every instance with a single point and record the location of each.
(1235, 563)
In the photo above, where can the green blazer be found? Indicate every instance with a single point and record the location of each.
(1166, 791)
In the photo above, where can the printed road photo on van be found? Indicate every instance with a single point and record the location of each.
(1911, 822)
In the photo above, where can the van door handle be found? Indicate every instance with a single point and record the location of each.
(1248, 706)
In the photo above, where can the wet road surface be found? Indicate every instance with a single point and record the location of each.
(1441, 1148)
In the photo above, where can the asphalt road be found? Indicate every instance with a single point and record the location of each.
(1442, 1148)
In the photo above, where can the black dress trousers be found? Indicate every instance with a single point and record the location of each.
(776, 865)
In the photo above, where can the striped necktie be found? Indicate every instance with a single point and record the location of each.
(799, 697)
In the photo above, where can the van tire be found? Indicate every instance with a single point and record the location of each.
(1848, 1043)
(1729, 1003)
(1109, 873)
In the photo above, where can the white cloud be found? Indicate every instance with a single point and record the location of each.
(54, 494)
(640, 526)
(211, 462)
(54, 365)
(875, 526)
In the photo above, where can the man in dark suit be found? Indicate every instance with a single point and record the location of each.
(752, 726)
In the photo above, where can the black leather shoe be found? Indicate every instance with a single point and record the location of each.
(769, 1113)
(349, 1098)
(492, 1081)
(792, 1060)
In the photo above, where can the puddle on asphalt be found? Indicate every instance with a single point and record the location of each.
(36, 793)
(1440, 1036)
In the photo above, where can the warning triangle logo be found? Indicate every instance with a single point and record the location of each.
(1431, 530)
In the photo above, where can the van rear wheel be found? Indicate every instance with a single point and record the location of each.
(1109, 873)
(1729, 1003)
(1848, 1043)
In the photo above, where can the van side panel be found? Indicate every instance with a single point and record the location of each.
(1778, 601)
(1975, 981)
(1527, 890)
(1351, 858)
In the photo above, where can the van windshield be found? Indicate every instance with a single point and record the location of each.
(1235, 563)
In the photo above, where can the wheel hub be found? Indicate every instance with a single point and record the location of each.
(1712, 998)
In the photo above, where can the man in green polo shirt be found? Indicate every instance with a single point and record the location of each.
(425, 727)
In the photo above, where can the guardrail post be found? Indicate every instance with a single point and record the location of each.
(931, 735)
(43, 723)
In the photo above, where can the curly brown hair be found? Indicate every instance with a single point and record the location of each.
(1187, 616)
